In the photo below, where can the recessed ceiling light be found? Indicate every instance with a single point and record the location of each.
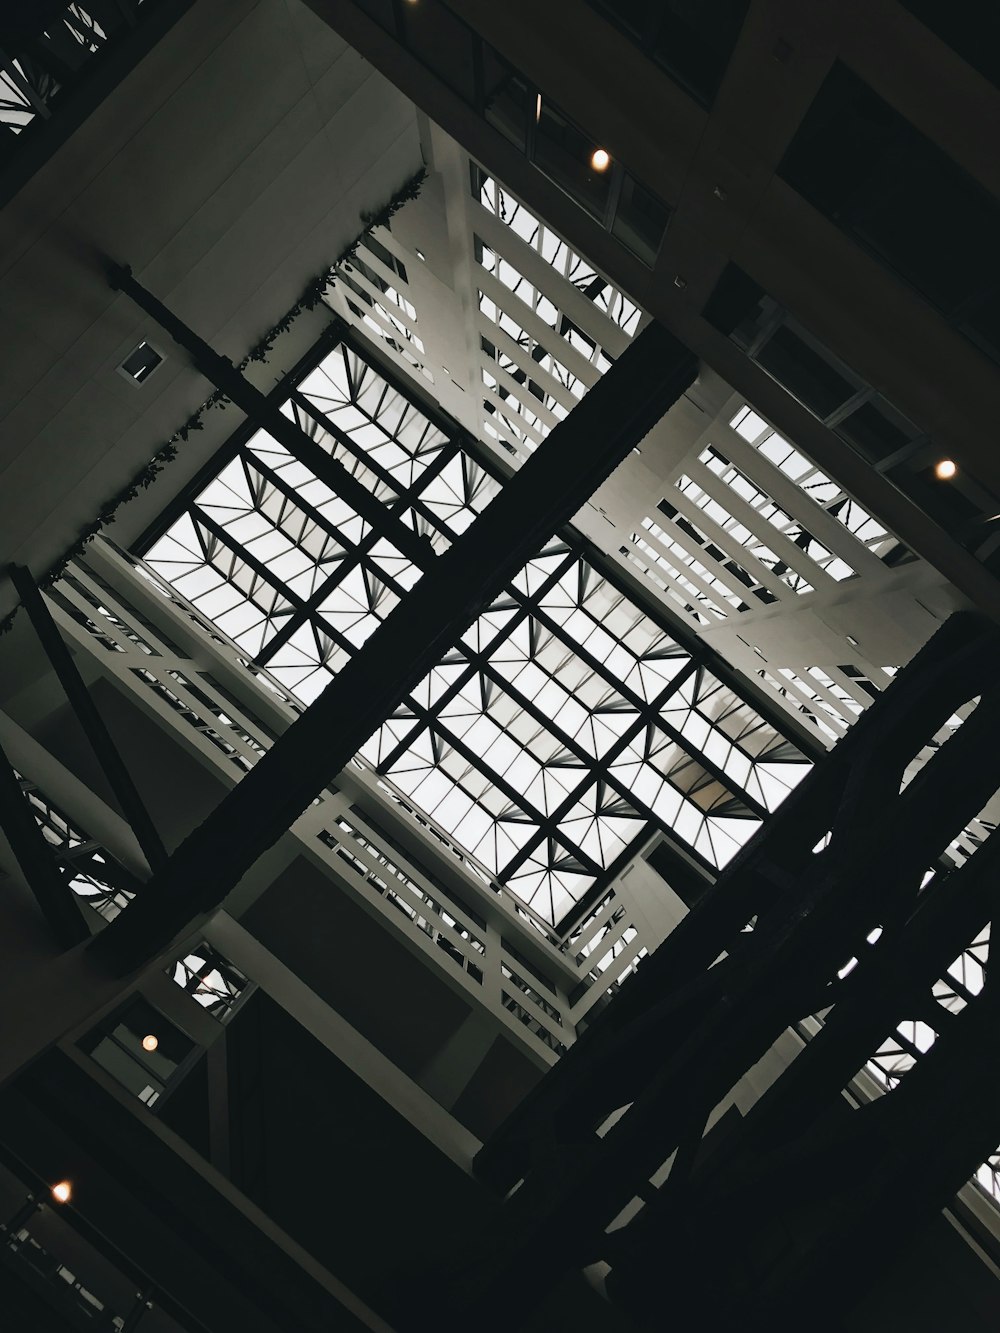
(63, 1192)
(140, 363)
(538, 108)
(420, 255)
(600, 159)
(150, 1042)
(945, 469)
(852, 641)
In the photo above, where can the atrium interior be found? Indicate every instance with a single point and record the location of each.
(498, 665)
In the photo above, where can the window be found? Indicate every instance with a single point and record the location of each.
(140, 1049)
(525, 116)
(854, 411)
(565, 154)
(210, 980)
(564, 726)
(140, 363)
(535, 378)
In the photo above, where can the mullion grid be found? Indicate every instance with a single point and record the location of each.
(648, 714)
(407, 496)
(285, 610)
(449, 450)
(479, 666)
(355, 556)
(828, 495)
(304, 611)
(270, 610)
(357, 391)
(432, 720)
(407, 501)
(608, 299)
(647, 710)
(435, 725)
(295, 610)
(385, 762)
(598, 775)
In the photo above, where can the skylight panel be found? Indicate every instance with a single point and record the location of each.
(563, 725)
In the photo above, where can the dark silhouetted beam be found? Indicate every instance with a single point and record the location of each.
(221, 372)
(34, 856)
(576, 458)
(89, 717)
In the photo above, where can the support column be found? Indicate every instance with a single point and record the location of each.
(34, 856)
(88, 716)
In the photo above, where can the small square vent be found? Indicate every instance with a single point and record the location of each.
(140, 363)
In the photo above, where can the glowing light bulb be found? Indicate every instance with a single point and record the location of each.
(600, 159)
(945, 469)
(63, 1192)
(150, 1042)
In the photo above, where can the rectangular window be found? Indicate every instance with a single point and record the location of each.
(140, 1049)
(854, 411)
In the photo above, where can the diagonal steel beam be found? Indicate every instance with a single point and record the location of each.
(548, 490)
(34, 856)
(221, 372)
(89, 717)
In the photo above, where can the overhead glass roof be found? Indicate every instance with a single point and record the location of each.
(564, 728)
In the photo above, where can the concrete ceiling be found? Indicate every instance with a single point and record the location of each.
(230, 167)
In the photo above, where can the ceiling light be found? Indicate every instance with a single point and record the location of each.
(63, 1192)
(150, 1042)
(140, 363)
(538, 108)
(945, 469)
(600, 159)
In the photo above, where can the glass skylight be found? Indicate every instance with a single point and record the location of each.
(562, 728)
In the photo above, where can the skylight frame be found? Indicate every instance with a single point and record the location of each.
(560, 848)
